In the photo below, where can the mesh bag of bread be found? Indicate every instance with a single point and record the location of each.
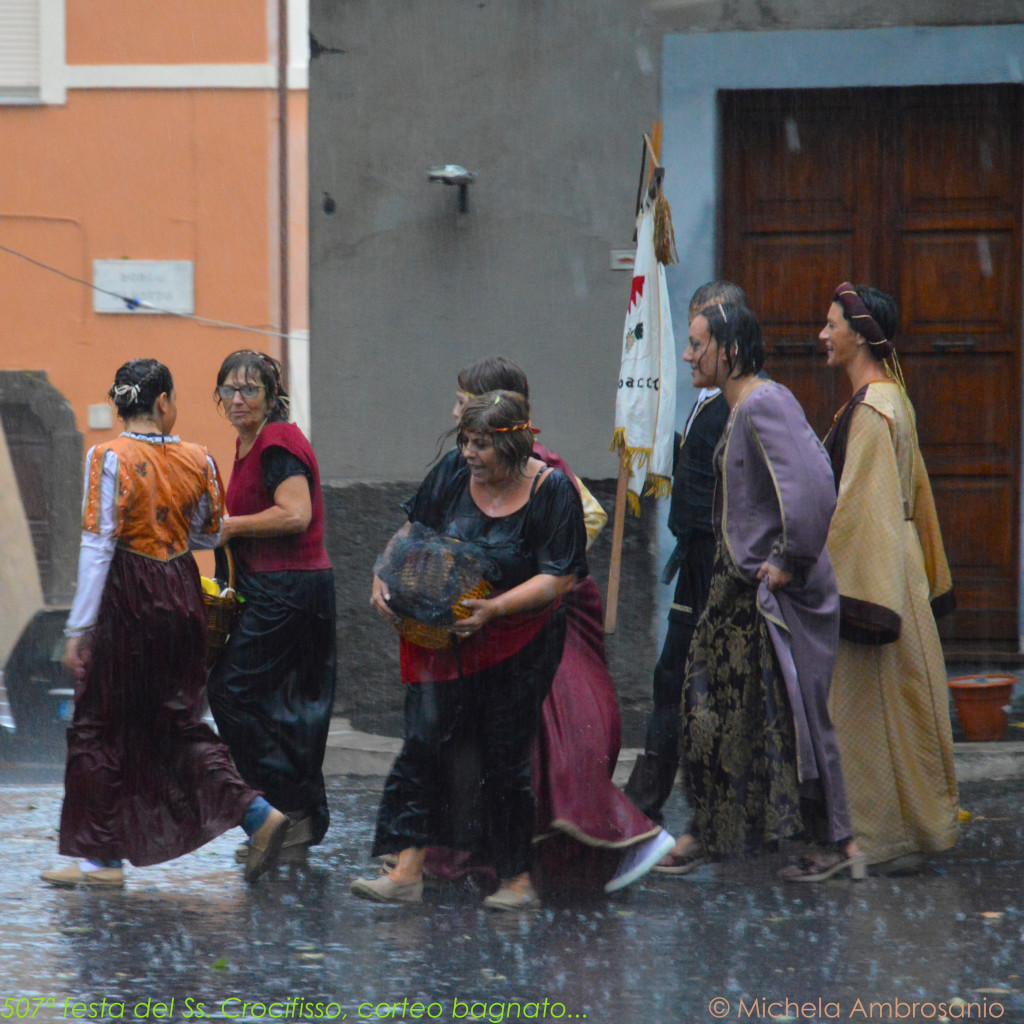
(427, 577)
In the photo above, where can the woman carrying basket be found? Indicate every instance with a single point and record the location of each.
(462, 779)
(272, 690)
(587, 832)
(146, 780)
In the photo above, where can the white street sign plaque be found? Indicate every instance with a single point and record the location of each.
(143, 286)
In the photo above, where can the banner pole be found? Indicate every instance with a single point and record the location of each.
(611, 605)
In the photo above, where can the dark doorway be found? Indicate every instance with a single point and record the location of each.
(28, 443)
(46, 451)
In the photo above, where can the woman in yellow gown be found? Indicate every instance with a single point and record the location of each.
(889, 699)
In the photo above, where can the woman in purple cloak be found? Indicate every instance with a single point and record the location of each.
(759, 752)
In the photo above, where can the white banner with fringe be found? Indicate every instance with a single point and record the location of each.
(645, 405)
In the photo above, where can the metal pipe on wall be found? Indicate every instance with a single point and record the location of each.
(282, 179)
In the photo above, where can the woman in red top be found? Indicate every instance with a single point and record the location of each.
(272, 690)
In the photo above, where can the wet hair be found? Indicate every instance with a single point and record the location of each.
(738, 334)
(258, 368)
(884, 312)
(495, 373)
(716, 291)
(505, 415)
(137, 385)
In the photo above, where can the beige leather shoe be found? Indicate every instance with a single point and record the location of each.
(300, 831)
(72, 876)
(513, 898)
(383, 890)
(294, 849)
(288, 854)
(265, 845)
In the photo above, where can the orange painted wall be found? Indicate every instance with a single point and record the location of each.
(190, 182)
(166, 31)
(150, 174)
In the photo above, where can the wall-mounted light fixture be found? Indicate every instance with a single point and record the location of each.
(453, 174)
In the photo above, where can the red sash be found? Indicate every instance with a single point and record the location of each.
(498, 640)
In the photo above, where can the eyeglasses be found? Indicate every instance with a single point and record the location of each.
(227, 391)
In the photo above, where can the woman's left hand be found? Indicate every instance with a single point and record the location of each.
(77, 651)
(775, 576)
(226, 530)
(483, 610)
(537, 592)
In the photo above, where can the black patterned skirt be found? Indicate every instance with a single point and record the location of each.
(738, 740)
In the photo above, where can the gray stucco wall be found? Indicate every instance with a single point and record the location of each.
(547, 100)
(696, 16)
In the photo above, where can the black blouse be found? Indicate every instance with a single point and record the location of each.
(278, 464)
(545, 536)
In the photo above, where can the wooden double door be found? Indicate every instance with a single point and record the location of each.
(918, 192)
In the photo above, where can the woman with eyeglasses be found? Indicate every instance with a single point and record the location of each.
(272, 689)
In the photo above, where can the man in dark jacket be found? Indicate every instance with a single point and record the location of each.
(689, 519)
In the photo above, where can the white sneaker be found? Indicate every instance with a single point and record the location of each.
(639, 859)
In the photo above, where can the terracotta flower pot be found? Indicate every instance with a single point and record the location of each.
(981, 704)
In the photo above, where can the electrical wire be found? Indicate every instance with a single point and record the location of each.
(133, 304)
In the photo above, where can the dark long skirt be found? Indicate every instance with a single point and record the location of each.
(146, 780)
(738, 739)
(583, 821)
(272, 690)
(653, 776)
(462, 778)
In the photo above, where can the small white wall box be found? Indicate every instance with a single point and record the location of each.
(143, 286)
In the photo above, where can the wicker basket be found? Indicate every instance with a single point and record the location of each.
(221, 612)
(439, 637)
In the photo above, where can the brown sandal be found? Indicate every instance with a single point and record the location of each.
(683, 863)
(825, 866)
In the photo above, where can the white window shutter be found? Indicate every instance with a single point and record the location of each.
(19, 44)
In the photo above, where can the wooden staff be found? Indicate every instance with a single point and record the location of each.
(651, 148)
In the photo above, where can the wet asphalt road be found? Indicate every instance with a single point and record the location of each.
(727, 943)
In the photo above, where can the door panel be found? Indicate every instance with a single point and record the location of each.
(916, 191)
(957, 284)
(958, 158)
(968, 432)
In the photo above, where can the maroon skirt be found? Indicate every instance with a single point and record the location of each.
(146, 780)
(583, 821)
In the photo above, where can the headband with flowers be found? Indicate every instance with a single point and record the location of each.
(519, 426)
